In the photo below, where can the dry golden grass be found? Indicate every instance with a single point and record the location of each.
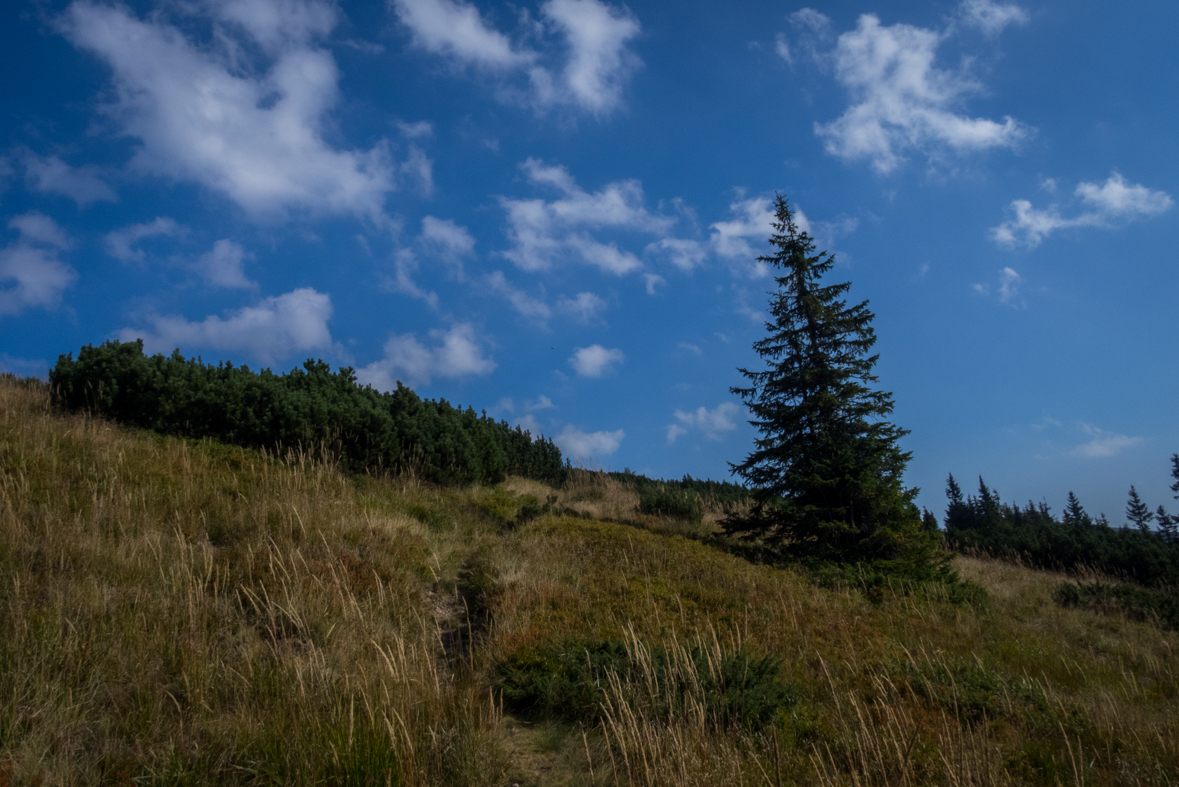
(186, 612)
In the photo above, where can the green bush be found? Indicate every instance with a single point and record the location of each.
(1139, 603)
(566, 680)
(310, 409)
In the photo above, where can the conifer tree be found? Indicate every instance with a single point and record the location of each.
(1137, 512)
(1168, 526)
(1175, 474)
(1074, 513)
(957, 512)
(826, 471)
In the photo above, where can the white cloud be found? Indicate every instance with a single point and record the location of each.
(270, 331)
(901, 101)
(522, 302)
(1108, 204)
(444, 240)
(599, 62)
(585, 446)
(421, 128)
(1007, 288)
(543, 232)
(457, 30)
(1104, 444)
(456, 353)
(992, 17)
(584, 308)
(121, 244)
(595, 360)
(783, 48)
(596, 60)
(222, 267)
(37, 228)
(256, 136)
(1116, 199)
(711, 422)
(752, 220)
(684, 253)
(83, 184)
(405, 265)
(690, 348)
(653, 281)
(31, 275)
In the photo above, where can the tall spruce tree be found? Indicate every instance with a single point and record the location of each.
(1137, 511)
(826, 471)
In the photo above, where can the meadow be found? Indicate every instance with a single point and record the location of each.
(180, 611)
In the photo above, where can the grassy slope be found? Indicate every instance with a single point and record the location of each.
(184, 612)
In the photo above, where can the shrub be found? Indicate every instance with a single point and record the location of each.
(672, 504)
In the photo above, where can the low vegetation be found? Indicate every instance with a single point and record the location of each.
(182, 611)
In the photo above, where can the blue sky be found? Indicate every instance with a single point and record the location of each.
(552, 210)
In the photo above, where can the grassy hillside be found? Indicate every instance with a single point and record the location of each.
(179, 611)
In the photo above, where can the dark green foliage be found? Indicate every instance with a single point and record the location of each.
(567, 681)
(1035, 536)
(1137, 512)
(877, 582)
(312, 409)
(721, 494)
(1161, 604)
(929, 521)
(674, 504)
(826, 473)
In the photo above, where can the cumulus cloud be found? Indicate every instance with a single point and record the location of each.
(713, 423)
(584, 308)
(255, 136)
(522, 302)
(270, 331)
(595, 59)
(122, 243)
(992, 17)
(1103, 444)
(455, 353)
(1106, 205)
(223, 266)
(580, 446)
(443, 240)
(595, 360)
(545, 231)
(900, 101)
(83, 185)
(31, 272)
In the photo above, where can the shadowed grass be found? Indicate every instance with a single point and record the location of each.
(183, 612)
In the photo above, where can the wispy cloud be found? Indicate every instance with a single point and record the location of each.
(991, 17)
(1106, 205)
(84, 184)
(1103, 444)
(1008, 287)
(123, 244)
